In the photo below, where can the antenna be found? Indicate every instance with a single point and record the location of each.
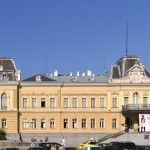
(127, 39)
(104, 63)
(45, 62)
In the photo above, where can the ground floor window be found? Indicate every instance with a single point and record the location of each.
(52, 123)
(43, 123)
(4, 124)
(65, 123)
(101, 123)
(33, 123)
(92, 123)
(83, 123)
(25, 123)
(114, 123)
(74, 123)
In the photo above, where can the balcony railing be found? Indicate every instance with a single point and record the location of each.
(136, 107)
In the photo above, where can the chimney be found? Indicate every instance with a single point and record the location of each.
(83, 74)
(55, 73)
(70, 74)
(78, 74)
(89, 72)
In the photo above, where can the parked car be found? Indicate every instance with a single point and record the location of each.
(50, 145)
(11, 148)
(92, 147)
(67, 148)
(121, 146)
(143, 147)
(36, 148)
(87, 143)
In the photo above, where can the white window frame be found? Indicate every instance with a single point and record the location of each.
(114, 123)
(65, 102)
(43, 102)
(43, 123)
(93, 100)
(83, 102)
(25, 123)
(93, 123)
(25, 102)
(126, 100)
(102, 102)
(102, 123)
(74, 102)
(52, 123)
(4, 123)
(52, 102)
(34, 102)
(66, 123)
(33, 123)
(84, 124)
(114, 102)
(74, 123)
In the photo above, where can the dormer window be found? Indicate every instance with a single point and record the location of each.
(4, 77)
(38, 78)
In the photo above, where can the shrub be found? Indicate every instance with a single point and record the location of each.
(2, 134)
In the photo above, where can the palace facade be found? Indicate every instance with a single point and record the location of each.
(74, 104)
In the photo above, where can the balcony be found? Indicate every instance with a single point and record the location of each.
(136, 107)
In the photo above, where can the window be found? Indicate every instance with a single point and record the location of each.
(114, 102)
(83, 102)
(74, 123)
(92, 123)
(3, 101)
(92, 102)
(114, 123)
(33, 102)
(125, 100)
(43, 123)
(43, 102)
(101, 123)
(135, 98)
(145, 101)
(25, 123)
(52, 102)
(65, 102)
(4, 124)
(74, 102)
(84, 123)
(4, 77)
(65, 123)
(33, 123)
(24, 102)
(101, 102)
(52, 123)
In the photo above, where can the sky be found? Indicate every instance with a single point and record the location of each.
(73, 35)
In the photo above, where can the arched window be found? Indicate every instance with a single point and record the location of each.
(3, 100)
(135, 98)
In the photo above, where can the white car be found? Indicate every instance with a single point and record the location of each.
(92, 147)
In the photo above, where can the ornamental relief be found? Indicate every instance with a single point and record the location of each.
(126, 93)
(145, 93)
(115, 93)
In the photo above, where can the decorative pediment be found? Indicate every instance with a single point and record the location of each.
(136, 68)
(136, 74)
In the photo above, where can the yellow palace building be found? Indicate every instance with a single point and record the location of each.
(74, 107)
